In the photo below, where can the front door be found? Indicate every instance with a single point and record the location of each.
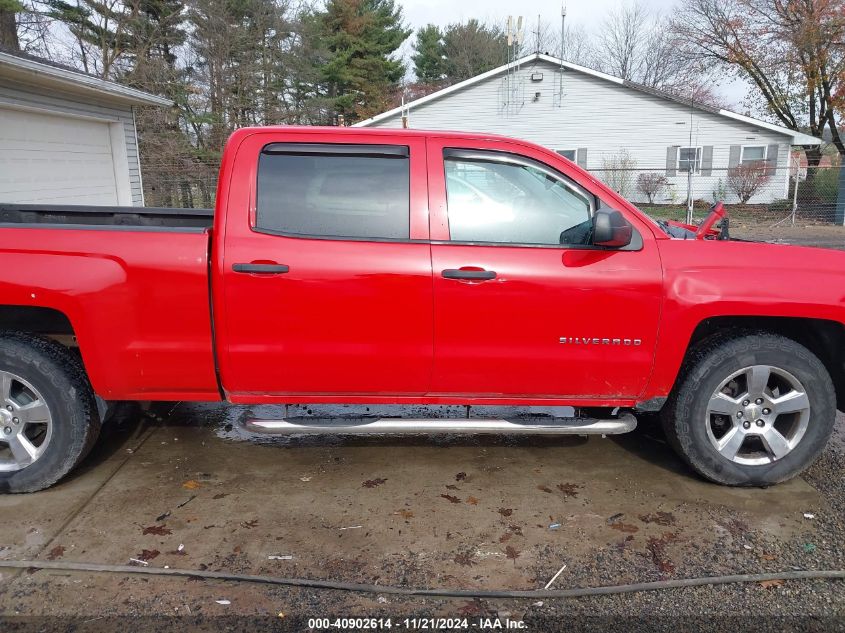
(521, 306)
(328, 288)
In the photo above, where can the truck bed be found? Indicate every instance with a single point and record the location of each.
(60, 214)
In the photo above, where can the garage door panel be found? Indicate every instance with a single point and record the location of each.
(54, 159)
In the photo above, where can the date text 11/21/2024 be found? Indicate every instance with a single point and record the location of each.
(418, 624)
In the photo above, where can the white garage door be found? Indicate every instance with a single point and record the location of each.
(54, 159)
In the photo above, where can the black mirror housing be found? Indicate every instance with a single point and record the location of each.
(611, 229)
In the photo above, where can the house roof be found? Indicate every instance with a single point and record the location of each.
(798, 138)
(40, 72)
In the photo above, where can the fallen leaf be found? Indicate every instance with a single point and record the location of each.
(460, 476)
(472, 608)
(613, 519)
(768, 557)
(148, 554)
(372, 483)
(57, 552)
(162, 517)
(504, 538)
(624, 527)
(472, 501)
(768, 584)
(220, 495)
(405, 514)
(451, 499)
(661, 518)
(568, 490)
(191, 485)
(506, 512)
(465, 559)
(158, 530)
(512, 553)
(544, 489)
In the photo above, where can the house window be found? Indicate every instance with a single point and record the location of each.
(689, 159)
(753, 153)
(571, 154)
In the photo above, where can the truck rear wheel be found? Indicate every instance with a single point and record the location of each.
(48, 416)
(752, 410)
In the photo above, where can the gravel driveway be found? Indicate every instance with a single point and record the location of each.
(185, 488)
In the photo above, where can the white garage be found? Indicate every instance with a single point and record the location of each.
(67, 137)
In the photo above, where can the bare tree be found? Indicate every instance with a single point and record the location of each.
(792, 53)
(622, 43)
(746, 179)
(618, 172)
(651, 185)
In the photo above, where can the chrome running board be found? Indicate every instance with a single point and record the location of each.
(625, 423)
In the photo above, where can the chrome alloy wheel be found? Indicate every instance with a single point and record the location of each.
(26, 424)
(758, 415)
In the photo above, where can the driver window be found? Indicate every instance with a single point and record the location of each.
(512, 202)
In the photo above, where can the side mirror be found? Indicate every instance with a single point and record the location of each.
(610, 228)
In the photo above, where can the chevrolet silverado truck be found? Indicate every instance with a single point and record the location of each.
(375, 267)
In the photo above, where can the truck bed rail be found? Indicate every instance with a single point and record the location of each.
(105, 216)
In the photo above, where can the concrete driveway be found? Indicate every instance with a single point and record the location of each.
(181, 486)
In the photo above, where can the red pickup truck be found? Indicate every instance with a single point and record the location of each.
(410, 267)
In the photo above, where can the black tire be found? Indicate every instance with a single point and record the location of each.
(685, 416)
(59, 377)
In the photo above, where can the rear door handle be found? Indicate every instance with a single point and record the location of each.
(261, 269)
(475, 275)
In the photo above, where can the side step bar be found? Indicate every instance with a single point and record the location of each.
(625, 423)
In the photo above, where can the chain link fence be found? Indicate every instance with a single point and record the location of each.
(753, 193)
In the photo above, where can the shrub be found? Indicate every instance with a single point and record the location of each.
(826, 184)
(720, 192)
(746, 179)
(618, 172)
(651, 185)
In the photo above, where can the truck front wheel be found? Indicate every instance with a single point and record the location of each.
(753, 410)
(48, 416)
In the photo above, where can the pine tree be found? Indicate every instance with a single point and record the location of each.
(100, 27)
(360, 74)
(429, 56)
(8, 24)
(472, 48)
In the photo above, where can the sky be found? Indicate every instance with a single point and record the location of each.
(589, 14)
(586, 13)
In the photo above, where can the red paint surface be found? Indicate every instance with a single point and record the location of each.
(375, 322)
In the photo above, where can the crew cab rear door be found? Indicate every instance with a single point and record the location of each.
(327, 280)
(516, 311)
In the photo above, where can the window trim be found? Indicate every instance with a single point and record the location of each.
(574, 151)
(699, 158)
(365, 150)
(742, 160)
(505, 157)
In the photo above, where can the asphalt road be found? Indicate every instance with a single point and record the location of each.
(183, 487)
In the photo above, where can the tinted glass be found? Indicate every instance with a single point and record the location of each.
(334, 195)
(510, 203)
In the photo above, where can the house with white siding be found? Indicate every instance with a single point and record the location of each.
(67, 137)
(612, 127)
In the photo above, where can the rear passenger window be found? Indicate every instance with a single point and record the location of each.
(358, 191)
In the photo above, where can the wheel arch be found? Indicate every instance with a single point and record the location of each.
(823, 337)
(47, 322)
